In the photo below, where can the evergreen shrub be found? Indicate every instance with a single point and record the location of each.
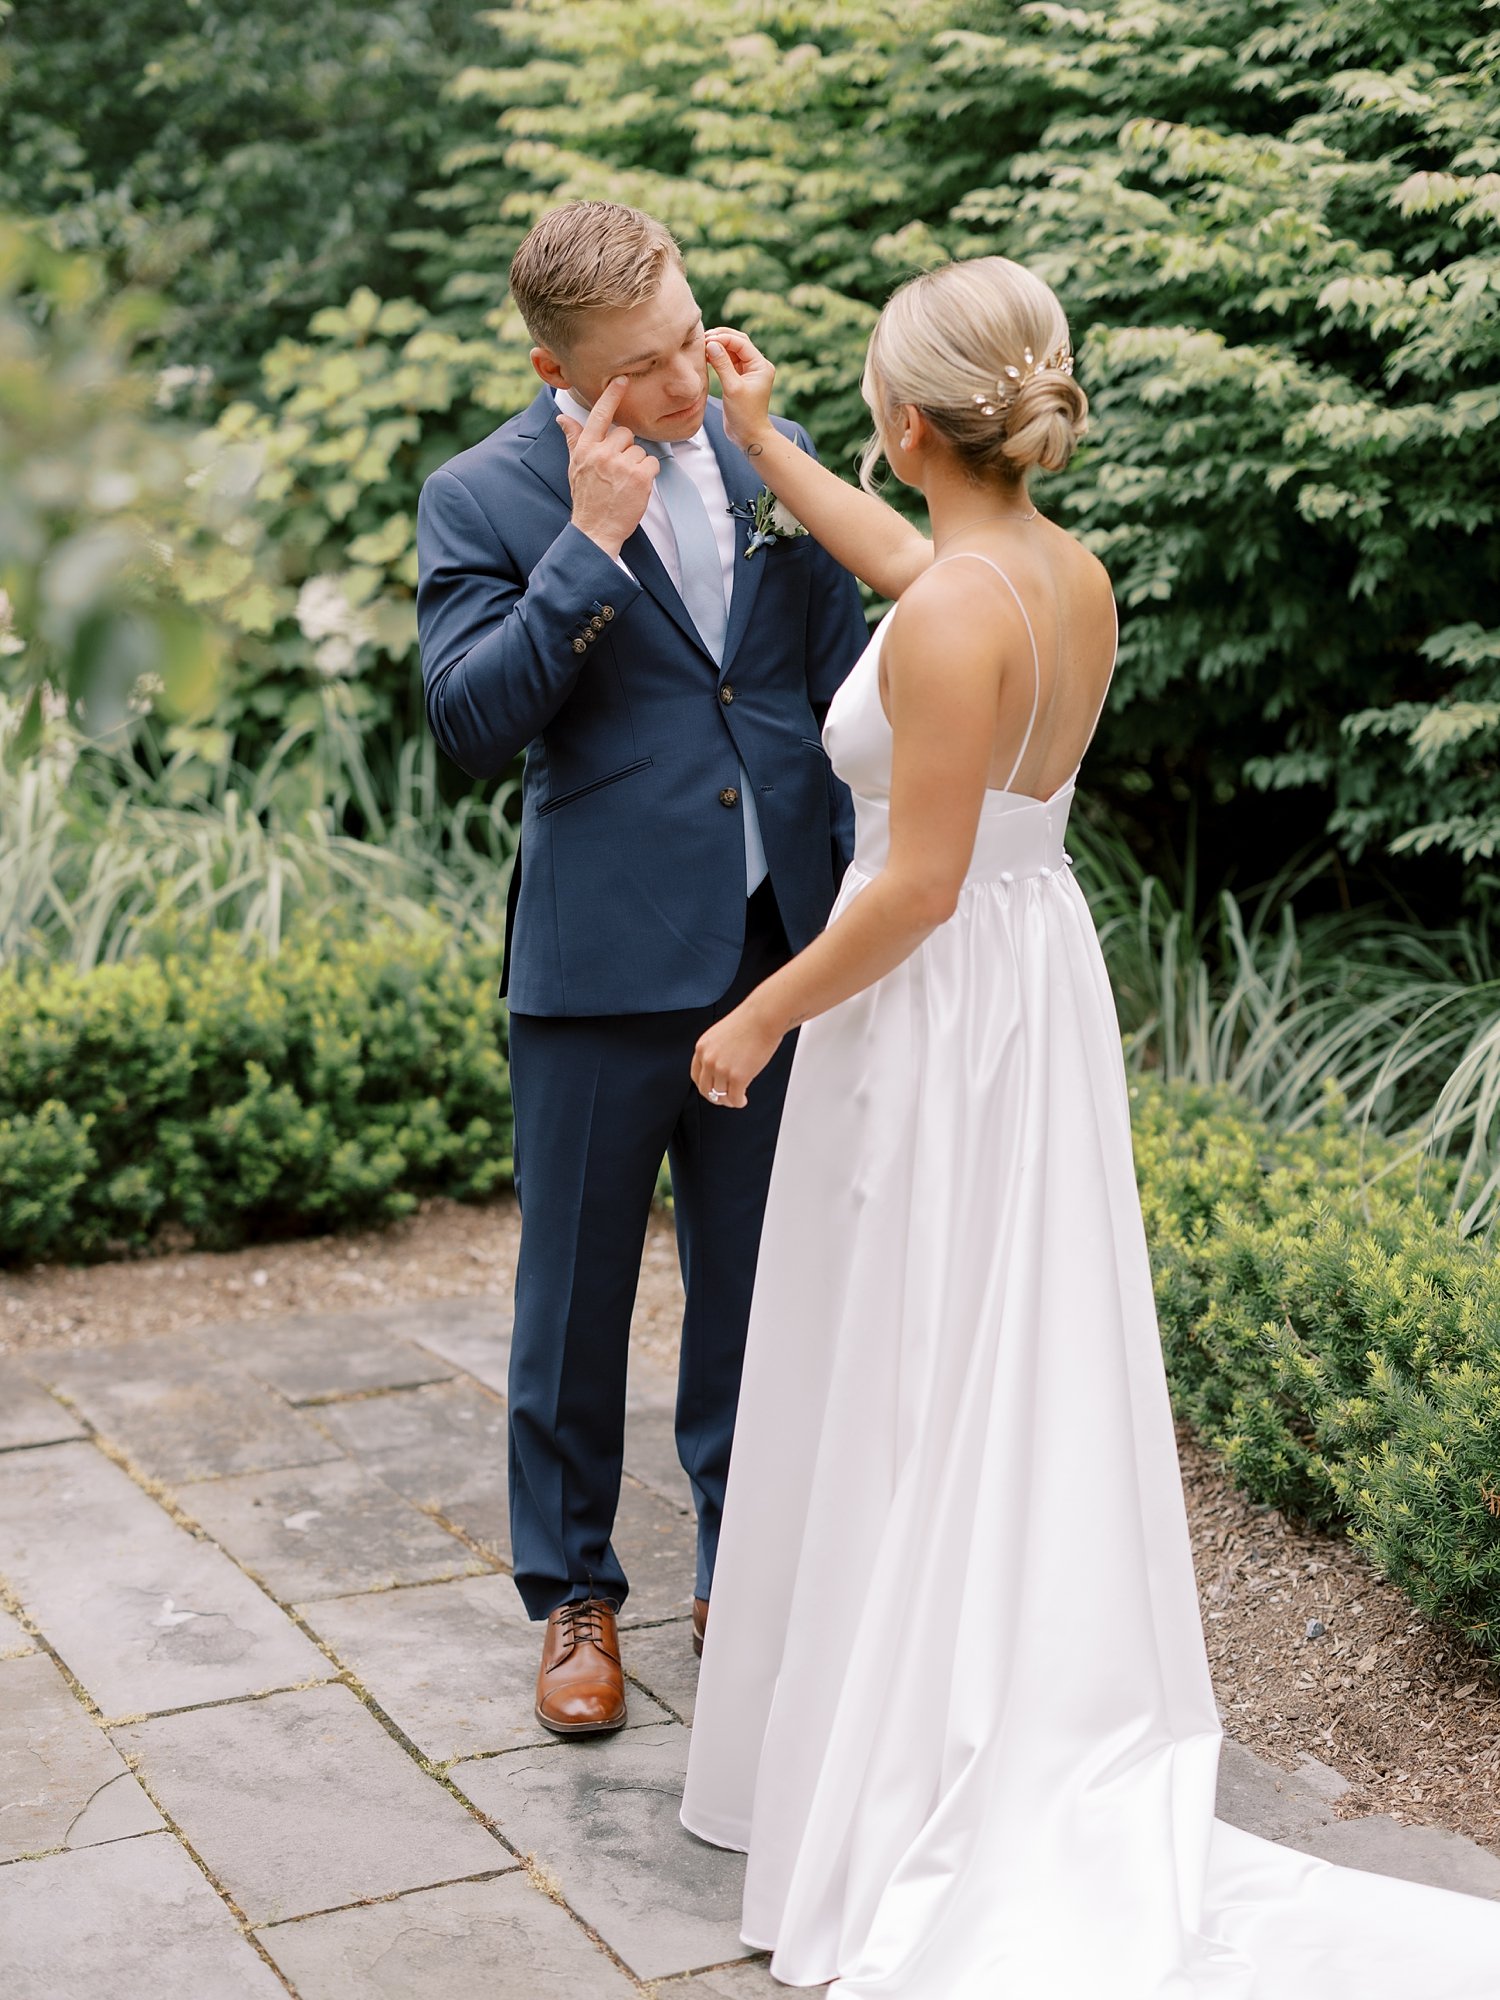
(1333, 1335)
(234, 1095)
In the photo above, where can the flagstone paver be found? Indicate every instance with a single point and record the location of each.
(478, 1342)
(442, 1447)
(325, 1808)
(134, 1920)
(1417, 1853)
(453, 1665)
(325, 1531)
(657, 1546)
(651, 1454)
(661, 1658)
(1256, 1796)
(750, 1980)
(311, 1450)
(28, 1415)
(146, 1615)
(497, 1940)
(14, 1638)
(62, 1782)
(308, 1357)
(602, 1814)
(179, 1411)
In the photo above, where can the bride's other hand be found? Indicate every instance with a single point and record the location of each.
(745, 378)
(732, 1054)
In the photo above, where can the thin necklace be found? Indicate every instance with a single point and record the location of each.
(994, 521)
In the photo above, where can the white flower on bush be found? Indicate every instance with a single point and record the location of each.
(142, 697)
(177, 380)
(10, 639)
(336, 627)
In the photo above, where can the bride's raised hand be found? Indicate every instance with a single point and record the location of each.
(745, 378)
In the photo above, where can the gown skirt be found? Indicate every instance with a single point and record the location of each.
(954, 1700)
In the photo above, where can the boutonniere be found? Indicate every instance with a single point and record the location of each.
(770, 522)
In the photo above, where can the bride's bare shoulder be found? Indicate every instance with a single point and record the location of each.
(1089, 576)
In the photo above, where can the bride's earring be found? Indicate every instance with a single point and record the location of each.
(906, 442)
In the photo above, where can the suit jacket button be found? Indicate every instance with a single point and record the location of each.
(580, 645)
(596, 626)
(729, 796)
(606, 612)
(726, 694)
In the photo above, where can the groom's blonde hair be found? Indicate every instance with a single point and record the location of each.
(587, 257)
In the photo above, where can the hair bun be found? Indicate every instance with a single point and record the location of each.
(1045, 420)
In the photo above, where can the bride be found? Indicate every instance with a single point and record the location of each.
(955, 1703)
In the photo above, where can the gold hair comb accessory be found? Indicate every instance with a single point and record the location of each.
(1059, 361)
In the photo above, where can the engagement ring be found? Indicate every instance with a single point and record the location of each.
(718, 1093)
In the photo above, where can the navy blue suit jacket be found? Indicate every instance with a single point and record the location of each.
(632, 897)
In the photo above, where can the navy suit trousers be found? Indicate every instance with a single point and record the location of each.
(599, 1101)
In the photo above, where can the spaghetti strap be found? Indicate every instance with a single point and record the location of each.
(973, 555)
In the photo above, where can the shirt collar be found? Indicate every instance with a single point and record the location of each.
(570, 406)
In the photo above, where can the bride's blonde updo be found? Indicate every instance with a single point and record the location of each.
(981, 348)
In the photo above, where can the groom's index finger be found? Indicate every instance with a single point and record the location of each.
(602, 415)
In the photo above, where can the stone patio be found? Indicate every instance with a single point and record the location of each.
(265, 1692)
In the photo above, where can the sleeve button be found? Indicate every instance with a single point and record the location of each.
(607, 612)
(580, 645)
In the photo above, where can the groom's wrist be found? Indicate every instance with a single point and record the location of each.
(601, 540)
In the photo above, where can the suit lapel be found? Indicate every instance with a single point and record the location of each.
(547, 457)
(741, 485)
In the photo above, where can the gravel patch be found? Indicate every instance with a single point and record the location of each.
(1410, 1715)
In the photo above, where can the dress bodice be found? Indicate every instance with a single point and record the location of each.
(1018, 836)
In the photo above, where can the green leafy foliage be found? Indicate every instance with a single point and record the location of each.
(1275, 228)
(350, 421)
(1337, 1342)
(234, 1095)
(98, 499)
(252, 162)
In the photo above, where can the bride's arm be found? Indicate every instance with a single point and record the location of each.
(943, 653)
(859, 531)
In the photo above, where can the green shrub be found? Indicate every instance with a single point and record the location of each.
(1334, 1337)
(235, 1095)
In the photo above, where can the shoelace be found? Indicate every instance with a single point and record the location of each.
(583, 1621)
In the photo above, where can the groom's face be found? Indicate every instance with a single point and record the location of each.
(657, 346)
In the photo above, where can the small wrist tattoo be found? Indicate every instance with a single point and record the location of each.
(754, 450)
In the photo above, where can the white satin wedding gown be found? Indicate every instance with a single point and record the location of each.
(954, 1697)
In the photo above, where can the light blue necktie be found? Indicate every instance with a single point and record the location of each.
(703, 593)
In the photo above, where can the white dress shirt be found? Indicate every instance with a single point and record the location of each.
(697, 458)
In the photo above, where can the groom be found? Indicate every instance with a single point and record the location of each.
(586, 595)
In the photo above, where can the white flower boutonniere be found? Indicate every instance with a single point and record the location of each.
(770, 521)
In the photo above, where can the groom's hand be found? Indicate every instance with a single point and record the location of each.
(610, 475)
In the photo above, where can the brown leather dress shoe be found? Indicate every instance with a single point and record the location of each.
(700, 1623)
(580, 1686)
